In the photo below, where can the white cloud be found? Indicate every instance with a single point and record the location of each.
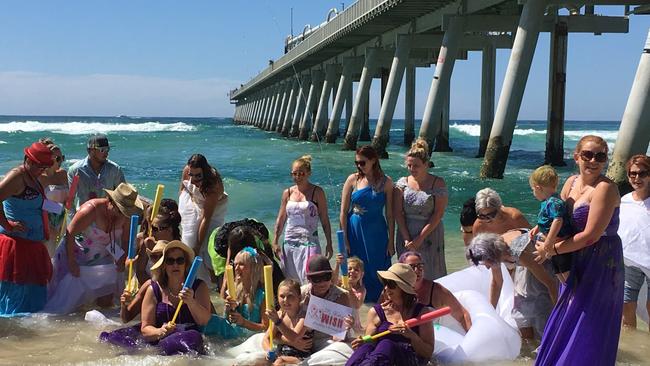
(29, 93)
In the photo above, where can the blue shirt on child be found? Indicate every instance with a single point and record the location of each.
(550, 209)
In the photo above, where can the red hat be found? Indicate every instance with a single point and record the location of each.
(39, 153)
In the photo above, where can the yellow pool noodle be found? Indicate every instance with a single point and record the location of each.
(268, 293)
(156, 205)
(230, 281)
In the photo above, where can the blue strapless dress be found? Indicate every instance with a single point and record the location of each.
(585, 324)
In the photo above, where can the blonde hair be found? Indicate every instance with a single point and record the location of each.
(591, 138)
(256, 268)
(292, 285)
(544, 176)
(357, 261)
(304, 162)
(49, 142)
(420, 149)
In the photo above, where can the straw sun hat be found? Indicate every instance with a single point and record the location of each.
(158, 248)
(174, 244)
(402, 274)
(126, 199)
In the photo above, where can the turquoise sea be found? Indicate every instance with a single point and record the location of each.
(255, 165)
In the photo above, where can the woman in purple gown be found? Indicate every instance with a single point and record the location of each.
(585, 324)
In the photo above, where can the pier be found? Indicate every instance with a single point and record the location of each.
(303, 93)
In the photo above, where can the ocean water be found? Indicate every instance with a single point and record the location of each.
(255, 166)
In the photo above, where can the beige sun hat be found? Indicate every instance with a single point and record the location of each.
(126, 199)
(174, 244)
(159, 248)
(402, 274)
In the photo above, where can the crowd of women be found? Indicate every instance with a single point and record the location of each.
(577, 272)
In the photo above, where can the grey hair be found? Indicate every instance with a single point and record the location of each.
(487, 198)
(486, 247)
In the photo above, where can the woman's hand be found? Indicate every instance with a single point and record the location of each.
(390, 249)
(303, 344)
(273, 315)
(329, 251)
(166, 329)
(187, 295)
(277, 250)
(357, 342)
(542, 253)
(231, 304)
(401, 328)
(126, 298)
(235, 318)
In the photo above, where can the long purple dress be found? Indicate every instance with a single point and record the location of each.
(585, 324)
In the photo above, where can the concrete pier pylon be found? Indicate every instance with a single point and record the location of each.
(364, 135)
(360, 100)
(279, 119)
(344, 89)
(349, 106)
(442, 139)
(275, 108)
(512, 92)
(554, 154)
(267, 108)
(312, 98)
(262, 109)
(389, 99)
(290, 109)
(301, 100)
(430, 127)
(409, 105)
(321, 120)
(634, 133)
(488, 71)
(258, 108)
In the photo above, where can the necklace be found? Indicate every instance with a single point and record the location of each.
(171, 295)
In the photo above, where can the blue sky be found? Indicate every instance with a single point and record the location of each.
(173, 58)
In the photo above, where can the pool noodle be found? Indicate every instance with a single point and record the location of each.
(230, 281)
(268, 294)
(132, 250)
(412, 322)
(344, 265)
(156, 205)
(189, 281)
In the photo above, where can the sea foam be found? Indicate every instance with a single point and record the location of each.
(83, 128)
(475, 130)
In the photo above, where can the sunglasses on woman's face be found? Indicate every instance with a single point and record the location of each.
(60, 158)
(390, 284)
(178, 260)
(298, 173)
(587, 155)
(417, 266)
(320, 278)
(156, 229)
(360, 163)
(641, 174)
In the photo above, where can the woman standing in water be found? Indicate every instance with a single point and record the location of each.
(25, 266)
(302, 207)
(202, 204)
(368, 196)
(584, 327)
(55, 181)
(420, 202)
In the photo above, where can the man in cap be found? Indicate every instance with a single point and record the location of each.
(95, 172)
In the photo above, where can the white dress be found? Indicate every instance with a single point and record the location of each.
(190, 206)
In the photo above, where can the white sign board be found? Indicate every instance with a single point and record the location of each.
(327, 317)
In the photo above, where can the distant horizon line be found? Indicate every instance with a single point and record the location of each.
(221, 117)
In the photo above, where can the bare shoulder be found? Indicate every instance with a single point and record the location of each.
(439, 182)
(513, 212)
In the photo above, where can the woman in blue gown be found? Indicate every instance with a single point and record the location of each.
(367, 217)
(585, 324)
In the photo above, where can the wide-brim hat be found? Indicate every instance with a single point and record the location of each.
(402, 274)
(39, 153)
(158, 248)
(126, 199)
(174, 244)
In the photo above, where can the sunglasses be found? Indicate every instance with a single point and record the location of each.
(324, 277)
(487, 216)
(360, 163)
(641, 174)
(104, 149)
(417, 266)
(60, 159)
(298, 173)
(390, 284)
(178, 260)
(156, 229)
(587, 155)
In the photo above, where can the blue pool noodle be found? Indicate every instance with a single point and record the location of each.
(343, 251)
(189, 281)
(132, 235)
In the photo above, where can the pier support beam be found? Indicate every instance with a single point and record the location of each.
(267, 108)
(301, 100)
(512, 92)
(441, 79)
(409, 106)
(554, 154)
(634, 133)
(312, 98)
(262, 108)
(258, 108)
(442, 139)
(275, 107)
(279, 119)
(291, 108)
(349, 105)
(361, 100)
(342, 93)
(320, 123)
(389, 98)
(365, 124)
(488, 67)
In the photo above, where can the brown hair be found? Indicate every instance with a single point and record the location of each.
(591, 138)
(304, 162)
(293, 286)
(420, 149)
(211, 177)
(640, 160)
(370, 153)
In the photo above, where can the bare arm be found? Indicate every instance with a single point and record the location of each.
(81, 220)
(526, 259)
(130, 310)
(423, 341)
(357, 301)
(444, 298)
(345, 207)
(496, 284)
(398, 213)
(279, 222)
(198, 303)
(604, 201)
(321, 199)
(11, 185)
(388, 190)
(148, 317)
(551, 237)
(434, 220)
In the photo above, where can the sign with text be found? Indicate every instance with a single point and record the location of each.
(327, 317)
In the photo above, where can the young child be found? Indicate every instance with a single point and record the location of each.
(245, 312)
(553, 221)
(289, 332)
(357, 290)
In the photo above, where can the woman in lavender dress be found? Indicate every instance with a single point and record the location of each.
(585, 324)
